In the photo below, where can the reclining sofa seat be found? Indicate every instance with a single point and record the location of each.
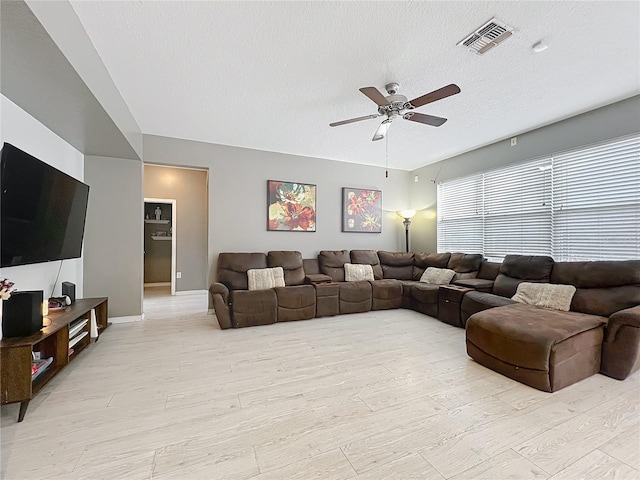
(354, 297)
(514, 270)
(399, 266)
(385, 293)
(295, 301)
(424, 296)
(236, 306)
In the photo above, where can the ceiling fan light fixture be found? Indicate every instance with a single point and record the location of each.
(382, 130)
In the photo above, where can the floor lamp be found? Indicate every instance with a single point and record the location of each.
(407, 215)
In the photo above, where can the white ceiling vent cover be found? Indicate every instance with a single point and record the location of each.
(489, 35)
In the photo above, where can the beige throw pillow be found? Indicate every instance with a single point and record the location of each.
(547, 295)
(265, 278)
(356, 272)
(437, 276)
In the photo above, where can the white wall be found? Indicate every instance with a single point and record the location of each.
(25, 132)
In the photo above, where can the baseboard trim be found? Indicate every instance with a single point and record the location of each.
(158, 284)
(211, 311)
(128, 319)
(191, 292)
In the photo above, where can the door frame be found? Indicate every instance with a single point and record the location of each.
(174, 236)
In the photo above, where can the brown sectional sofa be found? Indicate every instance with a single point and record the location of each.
(543, 348)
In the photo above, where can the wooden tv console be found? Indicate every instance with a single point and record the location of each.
(51, 341)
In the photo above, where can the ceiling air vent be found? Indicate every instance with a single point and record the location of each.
(489, 35)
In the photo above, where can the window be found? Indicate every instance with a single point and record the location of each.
(581, 205)
(460, 215)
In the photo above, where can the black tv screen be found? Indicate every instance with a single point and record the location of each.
(42, 210)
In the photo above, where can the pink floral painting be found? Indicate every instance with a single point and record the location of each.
(361, 210)
(292, 206)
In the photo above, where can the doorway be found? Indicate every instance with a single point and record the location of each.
(160, 232)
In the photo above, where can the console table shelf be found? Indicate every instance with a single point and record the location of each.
(52, 341)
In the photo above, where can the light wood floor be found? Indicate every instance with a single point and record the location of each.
(382, 395)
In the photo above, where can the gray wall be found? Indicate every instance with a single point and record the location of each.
(189, 188)
(615, 120)
(238, 195)
(113, 234)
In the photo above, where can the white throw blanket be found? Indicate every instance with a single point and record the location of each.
(265, 278)
(547, 295)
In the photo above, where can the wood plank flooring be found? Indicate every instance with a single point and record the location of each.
(375, 396)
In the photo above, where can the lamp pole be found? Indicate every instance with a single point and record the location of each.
(406, 223)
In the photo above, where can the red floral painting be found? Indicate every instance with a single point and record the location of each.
(361, 210)
(292, 206)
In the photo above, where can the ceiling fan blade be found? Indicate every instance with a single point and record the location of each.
(439, 94)
(374, 94)
(352, 120)
(426, 119)
(382, 130)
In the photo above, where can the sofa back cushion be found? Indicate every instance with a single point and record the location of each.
(422, 261)
(466, 265)
(232, 268)
(311, 266)
(516, 269)
(368, 257)
(398, 265)
(489, 270)
(291, 263)
(603, 288)
(332, 263)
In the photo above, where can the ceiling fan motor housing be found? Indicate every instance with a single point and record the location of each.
(396, 104)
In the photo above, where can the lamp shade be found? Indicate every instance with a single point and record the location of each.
(406, 213)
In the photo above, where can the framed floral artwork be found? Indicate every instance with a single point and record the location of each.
(361, 210)
(291, 206)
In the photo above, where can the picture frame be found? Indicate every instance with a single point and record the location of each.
(291, 206)
(361, 210)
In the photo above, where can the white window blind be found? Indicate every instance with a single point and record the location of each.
(460, 215)
(597, 202)
(518, 209)
(581, 205)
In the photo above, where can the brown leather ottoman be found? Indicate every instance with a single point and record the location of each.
(545, 349)
(386, 294)
(327, 299)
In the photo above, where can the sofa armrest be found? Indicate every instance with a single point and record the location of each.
(220, 296)
(628, 317)
(314, 278)
(621, 346)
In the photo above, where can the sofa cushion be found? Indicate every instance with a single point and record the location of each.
(291, 263)
(398, 265)
(437, 276)
(369, 257)
(357, 272)
(232, 268)
(603, 287)
(424, 260)
(546, 295)
(474, 302)
(479, 284)
(332, 263)
(516, 269)
(465, 262)
(296, 302)
(265, 278)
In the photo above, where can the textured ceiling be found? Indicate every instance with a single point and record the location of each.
(273, 75)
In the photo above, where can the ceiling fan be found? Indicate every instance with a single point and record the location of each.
(395, 105)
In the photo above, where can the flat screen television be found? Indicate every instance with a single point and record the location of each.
(42, 210)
